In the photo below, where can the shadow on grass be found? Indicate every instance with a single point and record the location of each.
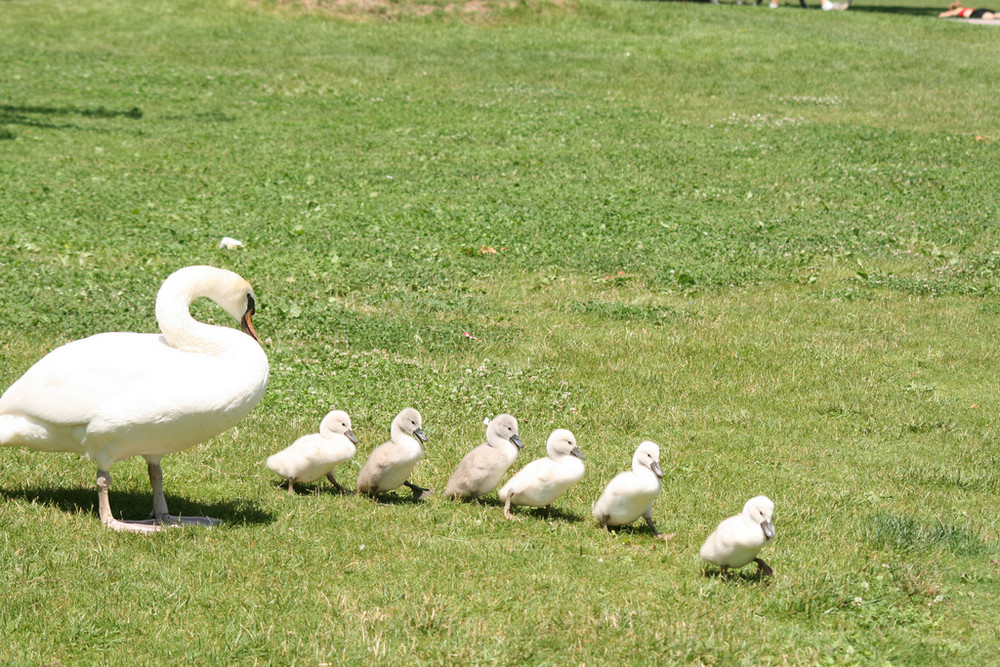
(44, 116)
(637, 530)
(542, 513)
(393, 498)
(476, 502)
(747, 574)
(900, 9)
(311, 489)
(131, 505)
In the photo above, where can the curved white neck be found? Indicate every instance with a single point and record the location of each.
(181, 331)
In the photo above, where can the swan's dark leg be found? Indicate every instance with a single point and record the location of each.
(160, 513)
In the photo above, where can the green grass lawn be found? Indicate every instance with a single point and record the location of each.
(767, 240)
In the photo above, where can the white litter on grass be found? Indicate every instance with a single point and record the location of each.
(228, 243)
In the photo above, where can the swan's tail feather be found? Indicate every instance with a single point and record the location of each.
(6, 430)
(16, 430)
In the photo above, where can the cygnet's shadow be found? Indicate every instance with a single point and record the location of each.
(747, 574)
(482, 500)
(393, 498)
(134, 505)
(312, 489)
(550, 515)
(632, 530)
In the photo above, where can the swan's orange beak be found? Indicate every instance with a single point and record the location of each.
(246, 324)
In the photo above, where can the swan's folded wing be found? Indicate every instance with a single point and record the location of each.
(68, 385)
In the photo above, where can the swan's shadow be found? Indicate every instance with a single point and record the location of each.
(134, 505)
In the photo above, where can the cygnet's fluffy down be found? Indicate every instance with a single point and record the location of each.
(630, 494)
(316, 455)
(739, 539)
(390, 465)
(543, 480)
(482, 469)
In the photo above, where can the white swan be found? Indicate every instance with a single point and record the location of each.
(481, 470)
(739, 539)
(117, 395)
(316, 455)
(391, 463)
(630, 494)
(543, 480)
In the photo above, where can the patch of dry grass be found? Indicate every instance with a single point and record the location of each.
(471, 11)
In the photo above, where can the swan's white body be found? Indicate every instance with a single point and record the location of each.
(540, 482)
(316, 455)
(630, 494)
(481, 470)
(116, 395)
(390, 464)
(738, 539)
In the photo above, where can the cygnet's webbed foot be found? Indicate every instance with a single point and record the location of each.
(657, 534)
(418, 491)
(506, 511)
(763, 568)
(340, 489)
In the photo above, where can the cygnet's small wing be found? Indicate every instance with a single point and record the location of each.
(475, 471)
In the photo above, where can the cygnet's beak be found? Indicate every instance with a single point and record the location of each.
(768, 529)
(517, 441)
(655, 467)
(350, 436)
(246, 325)
(419, 435)
(577, 453)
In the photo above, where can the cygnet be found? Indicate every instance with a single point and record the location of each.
(543, 480)
(630, 494)
(390, 465)
(481, 469)
(739, 539)
(315, 455)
